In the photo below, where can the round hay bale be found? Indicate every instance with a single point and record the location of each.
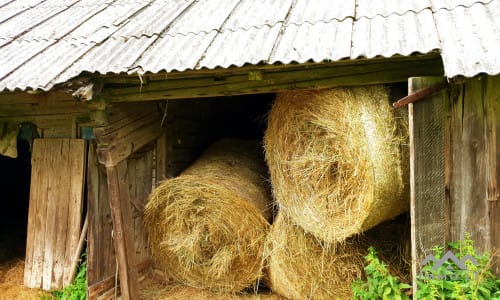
(335, 161)
(207, 227)
(302, 267)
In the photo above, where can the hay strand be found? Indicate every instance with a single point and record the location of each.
(335, 160)
(207, 227)
(302, 267)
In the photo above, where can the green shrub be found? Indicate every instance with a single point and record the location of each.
(78, 289)
(380, 284)
(448, 281)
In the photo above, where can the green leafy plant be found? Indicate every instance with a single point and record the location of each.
(78, 289)
(379, 284)
(449, 281)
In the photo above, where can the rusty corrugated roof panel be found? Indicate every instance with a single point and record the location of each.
(43, 43)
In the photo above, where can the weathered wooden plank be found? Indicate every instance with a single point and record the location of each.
(143, 185)
(100, 250)
(238, 84)
(124, 246)
(113, 152)
(59, 183)
(37, 108)
(105, 285)
(57, 168)
(473, 184)
(428, 197)
(119, 116)
(122, 137)
(492, 132)
(37, 211)
(161, 157)
(77, 165)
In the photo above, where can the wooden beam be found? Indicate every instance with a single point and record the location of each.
(236, 82)
(123, 233)
(130, 130)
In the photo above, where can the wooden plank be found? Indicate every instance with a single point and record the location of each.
(101, 262)
(472, 187)
(57, 170)
(124, 136)
(143, 185)
(56, 236)
(124, 246)
(161, 157)
(36, 215)
(50, 217)
(427, 151)
(326, 76)
(492, 132)
(113, 152)
(77, 165)
(104, 286)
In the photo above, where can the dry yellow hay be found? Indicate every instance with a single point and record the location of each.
(207, 227)
(335, 160)
(302, 267)
(11, 283)
(175, 292)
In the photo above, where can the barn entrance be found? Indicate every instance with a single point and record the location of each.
(15, 186)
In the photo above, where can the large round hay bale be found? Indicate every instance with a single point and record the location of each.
(302, 267)
(207, 227)
(335, 160)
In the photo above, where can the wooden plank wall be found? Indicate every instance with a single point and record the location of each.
(187, 132)
(56, 114)
(55, 212)
(137, 173)
(473, 176)
(454, 145)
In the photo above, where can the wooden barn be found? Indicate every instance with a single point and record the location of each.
(108, 98)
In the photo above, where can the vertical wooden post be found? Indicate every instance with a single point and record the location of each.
(427, 172)
(124, 245)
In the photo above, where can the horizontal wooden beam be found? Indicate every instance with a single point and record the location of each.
(237, 82)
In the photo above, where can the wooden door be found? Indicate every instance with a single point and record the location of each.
(55, 211)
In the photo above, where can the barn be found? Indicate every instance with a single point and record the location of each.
(102, 100)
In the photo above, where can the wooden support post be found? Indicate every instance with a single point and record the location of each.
(124, 245)
(427, 172)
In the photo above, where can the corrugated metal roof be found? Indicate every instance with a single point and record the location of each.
(43, 43)
(470, 39)
(395, 34)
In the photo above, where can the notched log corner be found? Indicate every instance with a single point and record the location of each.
(88, 92)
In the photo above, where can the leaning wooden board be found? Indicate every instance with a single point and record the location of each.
(55, 211)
